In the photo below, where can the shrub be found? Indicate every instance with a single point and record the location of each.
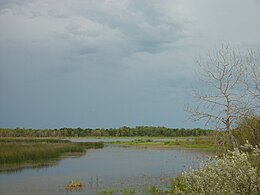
(248, 130)
(231, 174)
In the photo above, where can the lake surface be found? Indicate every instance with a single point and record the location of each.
(111, 167)
(126, 139)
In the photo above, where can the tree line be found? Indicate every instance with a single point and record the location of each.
(122, 131)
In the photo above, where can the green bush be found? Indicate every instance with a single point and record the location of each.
(248, 130)
(231, 174)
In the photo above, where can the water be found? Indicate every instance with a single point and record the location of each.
(124, 139)
(108, 168)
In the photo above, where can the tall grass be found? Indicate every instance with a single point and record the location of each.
(203, 143)
(33, 151)
(32, 140)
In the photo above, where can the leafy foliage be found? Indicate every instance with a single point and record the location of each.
(248, 130)
(231, 174)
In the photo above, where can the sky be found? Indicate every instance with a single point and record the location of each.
(111, 63)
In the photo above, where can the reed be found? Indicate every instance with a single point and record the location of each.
(19, 151)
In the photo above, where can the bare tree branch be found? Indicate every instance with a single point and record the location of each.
(225, 75)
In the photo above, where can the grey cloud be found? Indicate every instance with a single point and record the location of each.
(60, 58)
(81, 30)
(65, 69)
(7, 4)
(144, 27)
(87, 50)
(118, 29)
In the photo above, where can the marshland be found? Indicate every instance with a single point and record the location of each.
(129, 97)
(100, 163)
(149, 163)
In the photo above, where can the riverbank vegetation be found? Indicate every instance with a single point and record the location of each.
(21, 152)
(202, 143)
(233, 173)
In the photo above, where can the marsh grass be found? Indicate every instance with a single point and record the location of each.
(31, 140)
(32, 151)
(204, 143)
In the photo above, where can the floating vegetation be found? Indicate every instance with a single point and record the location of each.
(130, 191)
(76, 185)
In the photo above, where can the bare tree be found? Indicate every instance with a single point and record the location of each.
(222, 101)
(252, 79)
(249, 125)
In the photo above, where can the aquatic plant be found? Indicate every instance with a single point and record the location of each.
(127, 191)
(75, 185)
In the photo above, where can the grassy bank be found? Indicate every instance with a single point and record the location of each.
(20, 152)
(201, 143)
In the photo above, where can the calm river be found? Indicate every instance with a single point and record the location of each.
(111, 167)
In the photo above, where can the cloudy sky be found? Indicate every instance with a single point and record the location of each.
(110, 63)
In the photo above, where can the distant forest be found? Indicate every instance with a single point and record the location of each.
(122, 131)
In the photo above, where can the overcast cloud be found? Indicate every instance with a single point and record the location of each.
(109, 63)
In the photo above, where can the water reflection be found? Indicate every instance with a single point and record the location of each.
(16, 168)
(125, 139)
